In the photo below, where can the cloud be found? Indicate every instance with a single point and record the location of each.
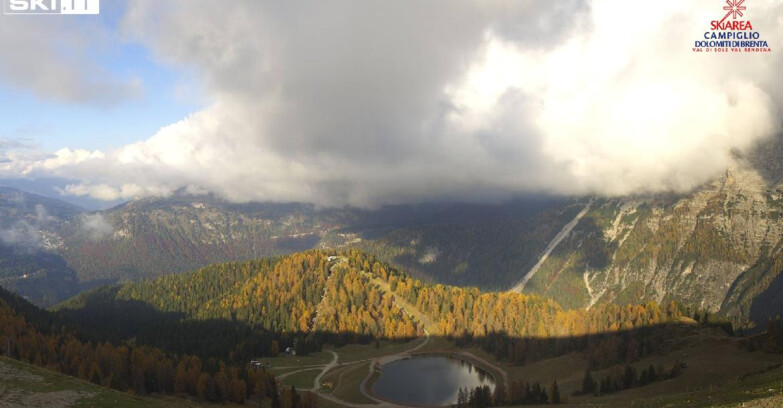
(375, 103)
(51, 57)
(96, 226)
(22, 234)
(41, 215)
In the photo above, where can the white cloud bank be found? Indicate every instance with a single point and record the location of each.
(96, 226)
(368, 103)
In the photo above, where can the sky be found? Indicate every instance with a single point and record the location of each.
(371, 103)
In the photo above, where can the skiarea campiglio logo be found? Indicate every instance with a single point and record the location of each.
(732, 33)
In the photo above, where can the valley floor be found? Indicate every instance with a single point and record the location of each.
(716, 371)
(719, 373)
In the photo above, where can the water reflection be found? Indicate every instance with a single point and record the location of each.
(429, 380)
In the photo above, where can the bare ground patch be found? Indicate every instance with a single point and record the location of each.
(8, 373)
(56, 399)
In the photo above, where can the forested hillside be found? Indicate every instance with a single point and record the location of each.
(300, 300)
(154, 237)
(29, 240)
(194, 333)
(305, 300)
(524, 328)
(42, 277)
(18, 207)
(40, 338)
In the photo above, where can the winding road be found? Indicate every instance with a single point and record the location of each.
(332, 364)
(427, 325)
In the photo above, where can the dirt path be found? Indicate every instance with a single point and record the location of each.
(282, 376)
(428, 326)
(296, 366)
(551, 247)
(407, 308)
(345, 403)
(331, 365)
(335, 263)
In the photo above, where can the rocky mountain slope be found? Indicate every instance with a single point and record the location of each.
(151, 237)
(30, 236)
(717, 248)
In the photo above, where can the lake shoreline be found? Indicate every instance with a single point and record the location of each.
(476, 367)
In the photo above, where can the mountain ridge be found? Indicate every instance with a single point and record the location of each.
(717, 247)
(707, 248)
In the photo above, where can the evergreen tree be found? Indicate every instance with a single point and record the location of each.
(629, 378)
(554, 392)
(644, 378)
(543, 398)
(462, 400)
(499, 397)
(588, 384)
(275, 401)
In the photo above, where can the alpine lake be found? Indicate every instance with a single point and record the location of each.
(430, 380)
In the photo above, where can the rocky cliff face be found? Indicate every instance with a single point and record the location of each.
(715, 248)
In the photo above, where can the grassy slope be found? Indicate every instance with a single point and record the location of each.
(348, 387)
(23, 385)
(301, 379)
(718, 373)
